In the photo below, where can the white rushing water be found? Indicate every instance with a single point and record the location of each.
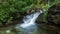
(29, 22)
(30, 19)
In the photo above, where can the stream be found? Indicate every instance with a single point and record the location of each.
(29, 26)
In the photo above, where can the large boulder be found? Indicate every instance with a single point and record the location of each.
(52, 21)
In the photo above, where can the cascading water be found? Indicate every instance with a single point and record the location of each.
(29, 25)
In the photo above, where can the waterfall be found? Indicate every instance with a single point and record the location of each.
(29, 24)
(30, 19)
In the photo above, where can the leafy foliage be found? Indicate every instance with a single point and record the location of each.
(10, 9)
(16, 7)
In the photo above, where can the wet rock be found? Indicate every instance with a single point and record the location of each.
(52, 21)
(54, 14)
(53, 17)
